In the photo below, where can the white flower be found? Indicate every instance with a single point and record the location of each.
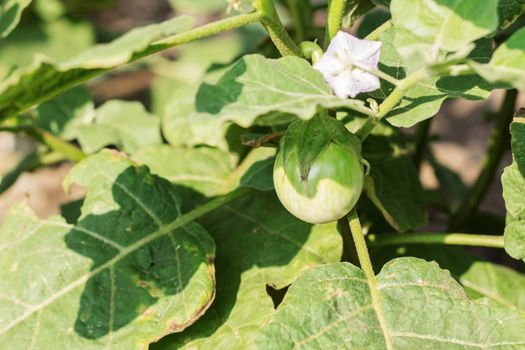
(347, 63)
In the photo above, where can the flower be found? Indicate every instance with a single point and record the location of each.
(348, 63)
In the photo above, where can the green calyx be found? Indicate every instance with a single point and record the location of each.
(308, 139)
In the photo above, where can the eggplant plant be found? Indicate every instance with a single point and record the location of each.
(268, 195)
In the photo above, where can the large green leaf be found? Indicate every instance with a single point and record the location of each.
(258, 244)
(426, 30)
(480, 278)
(508, 63)
(513, 180)
(253, 91)
(10, 12)
(44, 79)
(129, 272)
(423, 100)
(419, 306)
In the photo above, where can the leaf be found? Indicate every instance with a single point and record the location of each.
(508, 62)
(420, 306)
(252, 89)
(424, 100)
(513, 181)
(209, 171)
(10, 13)
(52, 39)
(432, 28)
(122, 123)
(258, 244)
(63, 115)
(129, 272)
(203, 169)
(480, 278)
(509, 11)
(393, 184)
(44, 79)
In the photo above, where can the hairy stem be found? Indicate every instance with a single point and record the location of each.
(275, 29)
(498, 141)
(201, 32)
(366, 266)
(336, 12)
(463, 239)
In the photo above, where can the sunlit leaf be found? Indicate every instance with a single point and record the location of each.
(419, 306)
(426, 30)
(258, 243)
(128, 273)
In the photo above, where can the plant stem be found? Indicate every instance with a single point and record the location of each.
(275, 29)
(212, 205)
(498, 141)
(201, 32)
(374, 35)
(391, 101)
(336, 12)
(366, 266)
(421, 140)
(463, 239)
(68, 150)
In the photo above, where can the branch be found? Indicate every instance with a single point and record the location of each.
(463, 239)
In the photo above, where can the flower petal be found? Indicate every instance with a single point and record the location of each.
(365, 81)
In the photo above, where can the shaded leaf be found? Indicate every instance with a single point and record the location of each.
(420, 306)
(63, 115)
(258, 243)
(129, 272)
(509, 11)
(10, 12)
(508, 62)
(433, 28)
(44, 79)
